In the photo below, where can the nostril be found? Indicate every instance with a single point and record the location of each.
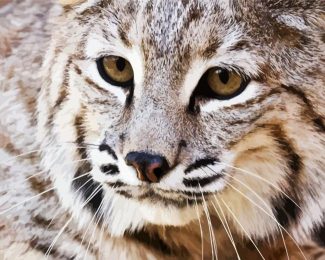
(149, 167)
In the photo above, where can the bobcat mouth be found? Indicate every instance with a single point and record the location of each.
(152, 195)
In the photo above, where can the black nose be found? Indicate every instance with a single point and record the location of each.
(150, 168)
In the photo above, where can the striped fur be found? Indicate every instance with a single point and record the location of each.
(256, 160)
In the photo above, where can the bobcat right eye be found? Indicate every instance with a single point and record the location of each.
(116, 71)
(220, 84)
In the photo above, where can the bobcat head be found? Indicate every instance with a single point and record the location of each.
(156, 111)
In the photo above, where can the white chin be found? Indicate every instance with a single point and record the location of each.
(130, 215)
(167, 216)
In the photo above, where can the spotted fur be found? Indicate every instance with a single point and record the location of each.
(256, 160)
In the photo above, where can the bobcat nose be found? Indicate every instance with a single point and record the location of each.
(150, 168)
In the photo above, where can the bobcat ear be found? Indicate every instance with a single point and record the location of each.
(70, 2)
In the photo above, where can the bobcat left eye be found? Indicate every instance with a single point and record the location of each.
(115, 70)
(221, 84)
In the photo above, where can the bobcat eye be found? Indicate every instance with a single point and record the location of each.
(115, 70)
(224, 83)
(220, 84)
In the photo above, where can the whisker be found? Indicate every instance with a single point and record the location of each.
(56, 146)
(262, 179)
(40, 172)
(80, 176)
(105, 222)
(212, 237)
(263, 201)
(271, 216)
(27, 200)
(94, 229)
(36, 196)
(83, 143)
(67, 223)
(86, 231)
(236, 219)
(284, 243)
(201, 231)
(227, 229)
(102, 230)
(22, 155)
(48, 251)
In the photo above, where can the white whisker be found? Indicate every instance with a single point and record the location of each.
(102, 230)
(40, 172)
(262, 179)
(58, 211)
(258, 197)
(271, 216)
(228, 231)
(284, 243)
(236, 219)
(94, 229)
(36, 196)
(226, 227)
(48, 251)
(57, 147)
(212, 237)
(201, 231)
(67, 223)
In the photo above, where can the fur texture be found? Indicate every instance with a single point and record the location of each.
(247, 173)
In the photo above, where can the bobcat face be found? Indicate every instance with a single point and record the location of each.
(159, 108)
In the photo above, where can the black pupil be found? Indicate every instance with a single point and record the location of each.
(224, 76)
(120, 64)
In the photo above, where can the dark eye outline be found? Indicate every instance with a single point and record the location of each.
(203, 89)
(108, 79)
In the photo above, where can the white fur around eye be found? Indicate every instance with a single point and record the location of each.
(250, 92)
(90, 70)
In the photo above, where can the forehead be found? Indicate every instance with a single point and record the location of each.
(185, 26)
(169, 26)
(180, 31)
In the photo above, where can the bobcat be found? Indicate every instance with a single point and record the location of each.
(162, 129)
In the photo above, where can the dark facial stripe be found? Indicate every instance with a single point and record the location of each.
(117, 184)
(108, 149)
(109, 169)
(124, 194)
(63, 91)
(260, 99)
(285, 210)
(201, 182)
(294, 160)
(316, 119)
(80, 130)
(124, 37)
(90, 82)
(319, 234)
(85, 184)
(88, 187)
(201, 163)
(41, 247)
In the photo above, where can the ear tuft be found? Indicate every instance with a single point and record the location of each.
(69, 2)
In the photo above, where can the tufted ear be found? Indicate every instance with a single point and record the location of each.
(70, 2)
